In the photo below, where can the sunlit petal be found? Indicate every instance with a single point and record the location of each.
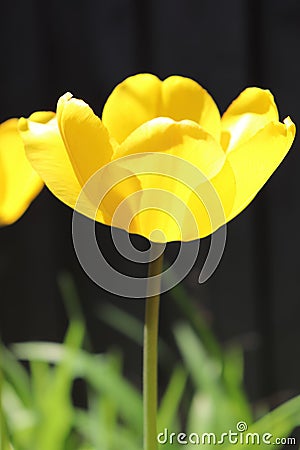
(183, 98)
(83, 134)
(246, 115)
(255, 160)
(173, 160)
(184, 139)
(143, 97)
(46, 152)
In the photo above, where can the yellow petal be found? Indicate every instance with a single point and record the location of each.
(86, 139)
(246, 115)
(173, 200)
(19, 184)
(255, 160)
(133, 102)
(119, 196)
(184, 99)
(211, 203)
(160, 197)
(47, 154)
(184, 139)
(184, 157)
(143, 97)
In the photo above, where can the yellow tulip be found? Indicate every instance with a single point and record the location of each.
(19, 183)
(170, 168)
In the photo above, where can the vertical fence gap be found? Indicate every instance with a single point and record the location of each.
(262, 242)
(144, 53)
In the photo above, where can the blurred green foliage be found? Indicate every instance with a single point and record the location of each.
(39, 413)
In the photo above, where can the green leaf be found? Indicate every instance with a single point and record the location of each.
(16, 375)
(132, 328)
(168, 410)
(213, 408)
(52, 393)
(233, 379)
(99, 373)
(122, 321)
(190, 309)
(204, 370)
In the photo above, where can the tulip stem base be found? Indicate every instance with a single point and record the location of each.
(150, 359)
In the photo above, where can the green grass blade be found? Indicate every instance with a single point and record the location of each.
(205, 371)
(213, 409)
(190, 309)
(168, 410)
(16, 375)
(122, 321)
(233, 379)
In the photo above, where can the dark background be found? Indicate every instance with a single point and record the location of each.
(87, 47)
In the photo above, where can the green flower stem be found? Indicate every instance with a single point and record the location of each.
(150, 360)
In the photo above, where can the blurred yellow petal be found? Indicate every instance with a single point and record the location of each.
(143, 97)
(255, 160)
(86, 139)
(47, 154)
(19, 183)
(247, 114)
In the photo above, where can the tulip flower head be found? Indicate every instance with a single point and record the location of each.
(19, 183)
(167, 165)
